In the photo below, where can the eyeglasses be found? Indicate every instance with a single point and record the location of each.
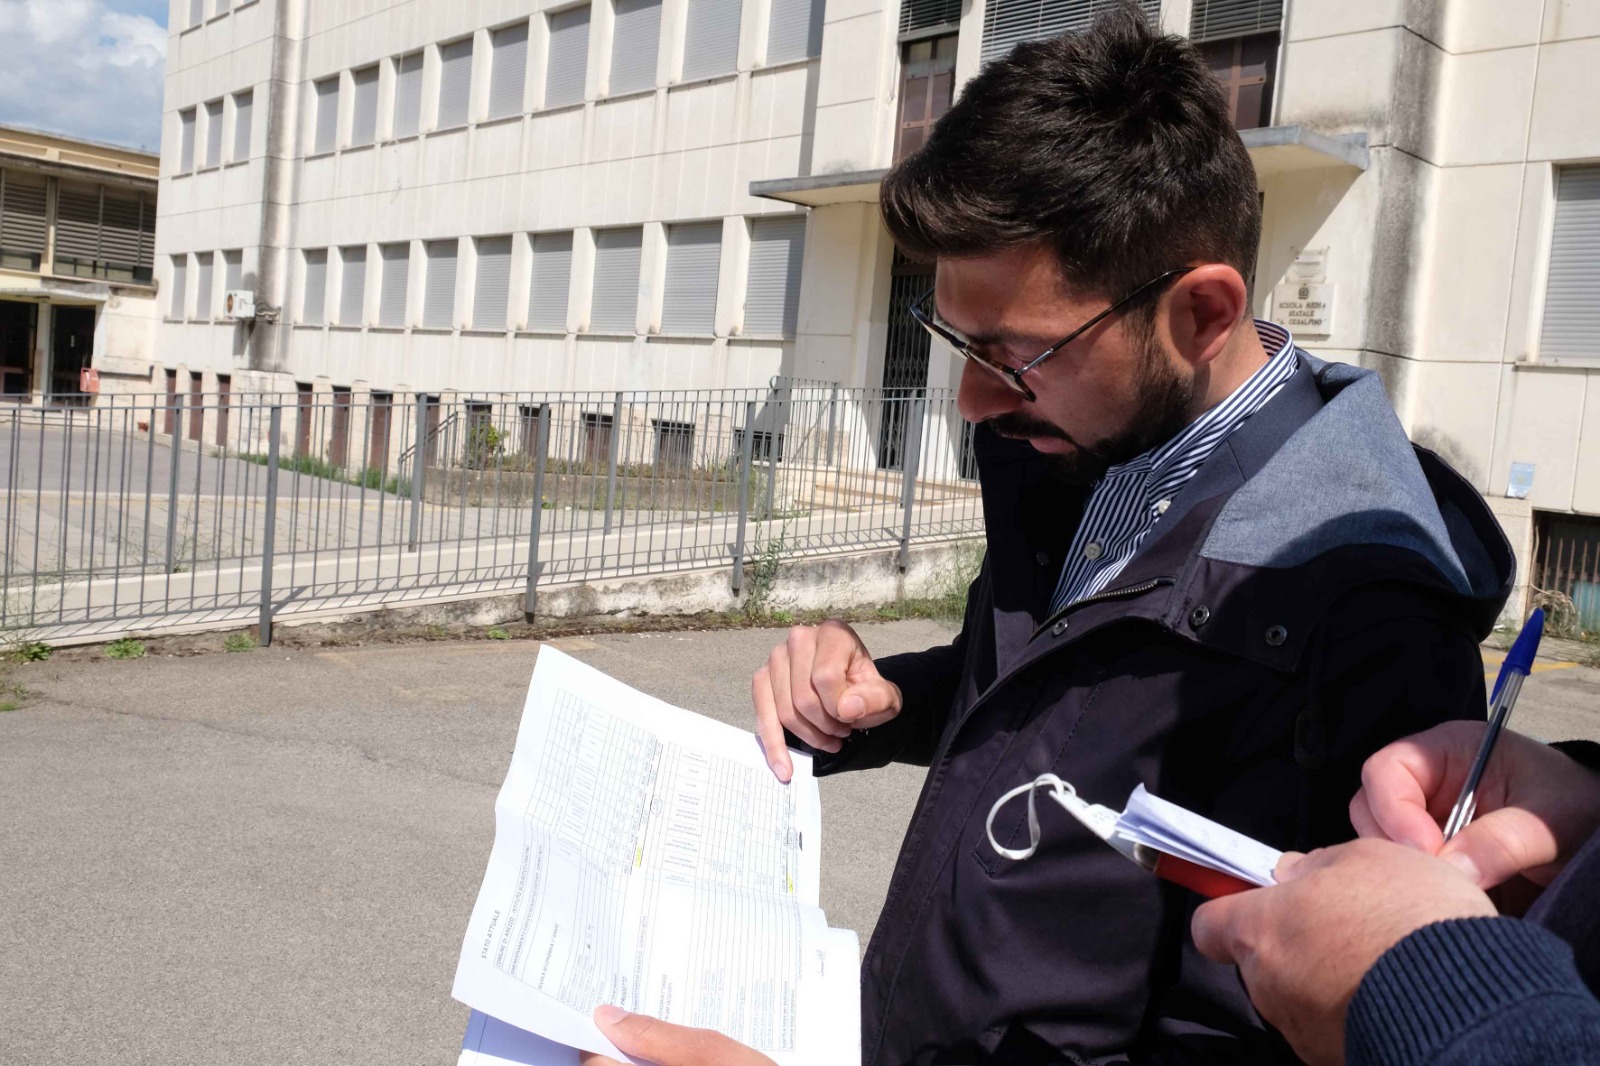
(924, 311)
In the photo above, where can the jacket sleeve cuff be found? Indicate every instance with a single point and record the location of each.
(1445, 980)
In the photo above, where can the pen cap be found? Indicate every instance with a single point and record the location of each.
(1520, 657)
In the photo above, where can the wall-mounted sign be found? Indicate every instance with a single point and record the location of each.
(1304, 308)
(1521, 482)
(1311, 265)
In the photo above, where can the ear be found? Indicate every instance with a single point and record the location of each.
(1206, 307)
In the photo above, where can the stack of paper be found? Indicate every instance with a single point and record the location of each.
(1167, 827)
(646, 857)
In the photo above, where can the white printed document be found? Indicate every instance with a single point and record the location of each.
(647, 857)
(1166, 827)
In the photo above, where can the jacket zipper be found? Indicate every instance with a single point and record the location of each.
(1100, 597)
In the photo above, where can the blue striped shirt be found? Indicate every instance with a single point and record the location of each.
(1128, 502)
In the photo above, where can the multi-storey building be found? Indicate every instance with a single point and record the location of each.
(77, 251)
(515, 194)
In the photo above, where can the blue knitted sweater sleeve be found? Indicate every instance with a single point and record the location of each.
(1474, 992)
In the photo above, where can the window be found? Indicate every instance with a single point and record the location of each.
(508, 71)
(380, 416)
(202, 299)
(339, 438)
(711, 43)
(455, 83)
(364, 117)
(186, 140)
(180, 286)
(568, 64)
(674, 445)
(214, 133)
(694, 256)
(395, 284)
(1245, 66)
(1572, 291)
(327, 115)
(244, 108)
(597, 436)
(794, 30)
(927, 87)
(552, 281)
(197, 12)
(316, 286)
(1007, 23)
(1215, 20)
(528, 424)
(105, 233)
(492, 288)
(772, 293)
(22, 220)
(918, 15)
(223, 6)
(408, 95)
(439, 297)
(353, 285)
(1567, 564)
(616, 280)
(232, 271)
(634, 44)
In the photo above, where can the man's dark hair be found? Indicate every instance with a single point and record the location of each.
(1114, 146)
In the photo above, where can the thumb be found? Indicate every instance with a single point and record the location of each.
(1500, 845)
(640, 1036)
(1212, 928)
(871, 699)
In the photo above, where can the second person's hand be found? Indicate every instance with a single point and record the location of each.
(819, 684)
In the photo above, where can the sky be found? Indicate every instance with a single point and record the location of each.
(85, 68)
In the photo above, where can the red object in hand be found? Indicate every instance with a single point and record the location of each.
(1209, 883)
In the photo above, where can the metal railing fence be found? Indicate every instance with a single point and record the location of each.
(149, 511)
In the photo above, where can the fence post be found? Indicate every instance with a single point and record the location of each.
(746, 449)
(611, 459)
(419, 466)
(269, 533)
(909, 461)
(175, 439)
(833, 416)
(541, 444)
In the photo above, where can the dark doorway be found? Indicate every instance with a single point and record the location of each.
(905, 358)
(71, 352)
(304, 412)
(19, 324)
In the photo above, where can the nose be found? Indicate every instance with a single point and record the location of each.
(982, 394)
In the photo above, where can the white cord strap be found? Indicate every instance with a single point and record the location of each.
(1050, 781)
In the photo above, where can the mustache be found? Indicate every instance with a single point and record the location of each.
(1018, 425)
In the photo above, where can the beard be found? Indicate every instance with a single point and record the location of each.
(1165, 398)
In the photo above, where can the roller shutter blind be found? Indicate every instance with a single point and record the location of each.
(395, 284)
(552, 281)
(1572, 290)
(1006, 23)
(197, 12)
(568, 65)
(694, 256)
(455, 83)
(202, 299)
(352, 285)
(180, 286)
(772, 292)
(128, 234)
(327, 115)
(616, 280)
(186, 141)
(926, 14)
(316, 286)
(794, 30)
(508, 74)
(408, 95)
(223, 6)
(364, 116)
(214, 133)
(711, 44)
(492, 285)
(439, 295)
(232, 271)
(77, 226)
(1213, 20)
(244, 111)
(22, 217)
(634, 44)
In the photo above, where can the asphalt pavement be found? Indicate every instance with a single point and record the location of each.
(269, 857)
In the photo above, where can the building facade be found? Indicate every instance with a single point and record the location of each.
(77, 256)
(627, 194)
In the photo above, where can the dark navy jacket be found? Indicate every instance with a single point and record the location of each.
(1318, 589)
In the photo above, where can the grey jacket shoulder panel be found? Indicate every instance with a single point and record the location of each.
(1348, 476)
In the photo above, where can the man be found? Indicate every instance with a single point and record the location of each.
(1215, 566)
(1412, 965)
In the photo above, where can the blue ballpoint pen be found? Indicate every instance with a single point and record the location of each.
(1507, 687)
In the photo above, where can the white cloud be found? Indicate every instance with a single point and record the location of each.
(82, 68)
